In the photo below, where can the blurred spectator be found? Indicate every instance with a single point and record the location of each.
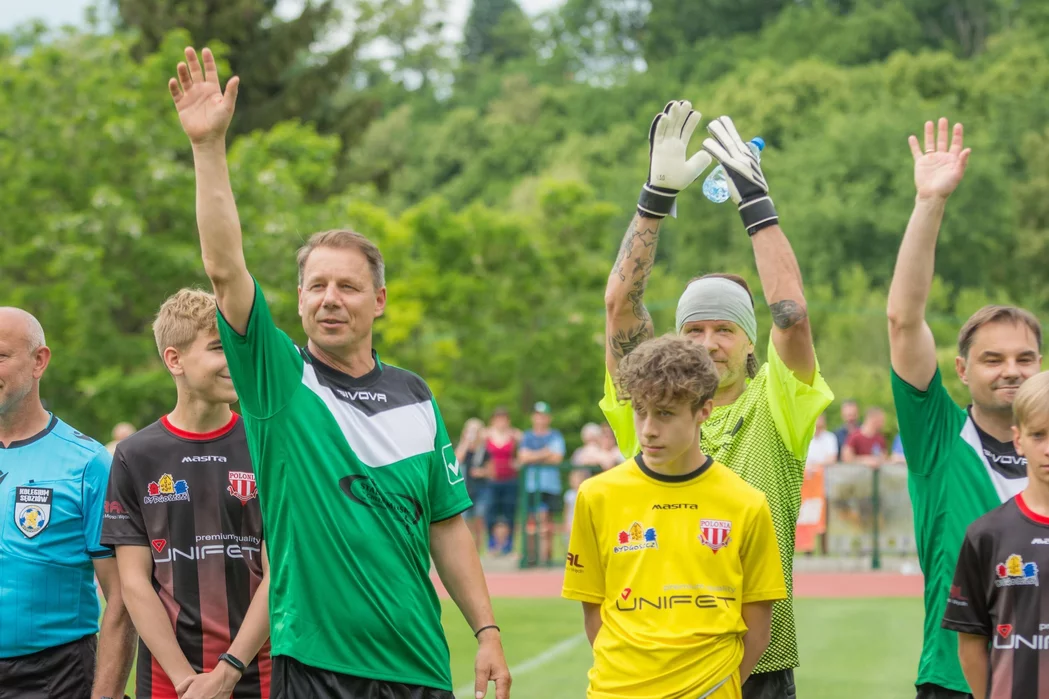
(575, 479)
(591, 453)
(121, 431)
(613, 456)
(472, 456)
(897, 451)
(500, 444)
(823, 449)
(850, 422)
(542, 448)
(867, 444)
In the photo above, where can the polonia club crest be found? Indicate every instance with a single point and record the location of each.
(242, 486)
(33, 510)
(715, 533)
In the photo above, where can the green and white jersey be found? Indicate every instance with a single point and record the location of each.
(351, 473)
(955, 474)
(764, 437)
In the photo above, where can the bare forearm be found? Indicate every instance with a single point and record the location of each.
(256, 627)
(455, 557)
(217, 220)
(628, 322)
(754, 644)
(156, 632)
(780, 277)
(916, 263)
(116, 650)
(591, 621)
(973, 654)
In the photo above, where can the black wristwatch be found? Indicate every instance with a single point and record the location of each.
(240, 667)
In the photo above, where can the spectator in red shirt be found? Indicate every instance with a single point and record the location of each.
(501, 445)
(867, 445)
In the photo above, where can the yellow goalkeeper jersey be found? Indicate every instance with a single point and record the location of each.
(671, 561)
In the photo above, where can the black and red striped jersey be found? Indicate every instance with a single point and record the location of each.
(191, 498)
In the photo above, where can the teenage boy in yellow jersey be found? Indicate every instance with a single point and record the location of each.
(673, 555)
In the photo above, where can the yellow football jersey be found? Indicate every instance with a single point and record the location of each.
(670, 560)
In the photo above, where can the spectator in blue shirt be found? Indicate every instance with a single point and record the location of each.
(52, 490)
(543, 450)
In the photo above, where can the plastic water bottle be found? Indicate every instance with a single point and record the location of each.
(715, 187)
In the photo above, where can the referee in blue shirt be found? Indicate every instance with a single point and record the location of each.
(52, 486)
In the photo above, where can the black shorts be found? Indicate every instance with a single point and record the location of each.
(770, 685)
(935, 691)
(295, 680)
(62, 672)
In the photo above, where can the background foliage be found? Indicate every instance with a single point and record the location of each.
(499, 172)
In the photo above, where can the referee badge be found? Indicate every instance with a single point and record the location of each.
(33, 509)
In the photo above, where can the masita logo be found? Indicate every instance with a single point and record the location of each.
(203, 459)
(166, 489)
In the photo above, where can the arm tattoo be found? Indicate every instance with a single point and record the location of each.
(786, 314)
(623, 342)
(642, 237)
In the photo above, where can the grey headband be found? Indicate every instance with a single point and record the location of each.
(717, 298)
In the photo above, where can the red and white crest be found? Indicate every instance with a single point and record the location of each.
(715, 533)
(242, 486)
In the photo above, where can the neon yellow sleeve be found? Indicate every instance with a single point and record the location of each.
(620, 416)
(795, 405)
(759, 554)
(584, 569)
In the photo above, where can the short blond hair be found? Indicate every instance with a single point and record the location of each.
(344, 239)
(667, 370)
(182, 317)
(1032, 400)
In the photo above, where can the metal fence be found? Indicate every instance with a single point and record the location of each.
(867, 513)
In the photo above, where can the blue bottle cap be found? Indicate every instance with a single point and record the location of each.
(759, 142)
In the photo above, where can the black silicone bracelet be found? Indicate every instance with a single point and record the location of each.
(484, 628)
(241, 667)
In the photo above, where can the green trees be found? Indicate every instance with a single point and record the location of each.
(499, 185)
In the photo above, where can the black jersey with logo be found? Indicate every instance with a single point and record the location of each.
(998, 592)
(191, 498)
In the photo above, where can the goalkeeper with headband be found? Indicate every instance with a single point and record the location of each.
(763, 416)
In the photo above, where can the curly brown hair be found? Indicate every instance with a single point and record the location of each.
(666, 370)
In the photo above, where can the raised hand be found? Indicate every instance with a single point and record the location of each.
(939, 169)
(203, 109)
(669, 169)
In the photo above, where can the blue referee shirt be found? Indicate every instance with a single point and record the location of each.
(52, 490)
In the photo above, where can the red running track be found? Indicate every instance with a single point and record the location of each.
(547, 583)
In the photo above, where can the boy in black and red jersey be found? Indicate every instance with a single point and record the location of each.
(183, 513)
(998, 604)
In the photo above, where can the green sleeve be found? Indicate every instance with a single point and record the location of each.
(264, 363)
(448, 495)
(620, 416)
(794, 404)
(929, 422)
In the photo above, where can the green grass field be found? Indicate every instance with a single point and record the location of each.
(856, 648)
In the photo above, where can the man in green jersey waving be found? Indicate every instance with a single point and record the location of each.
(357, 478)
(763, 418)
(961, 462)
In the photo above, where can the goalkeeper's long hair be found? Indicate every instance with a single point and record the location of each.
(752, 361)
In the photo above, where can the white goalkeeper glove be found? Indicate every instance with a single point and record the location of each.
(746, 182)
(668, 170)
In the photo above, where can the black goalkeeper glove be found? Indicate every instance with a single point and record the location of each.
(746, 182)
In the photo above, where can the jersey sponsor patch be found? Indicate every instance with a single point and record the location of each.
(33, 509)
(715, 534)
(636, 537)
(1015, 572)
(166, 489)
(451, 464)
(242, 486)
(364, 491)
